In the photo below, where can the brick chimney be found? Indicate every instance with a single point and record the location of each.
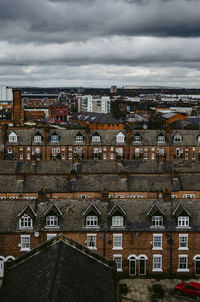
(72, 175)
(20, 176)
(87, 134)
(104, 195)
(124, 174)
(17, 114)
(128, 134)
(166, 194)
(174, 174)
(118, 159)
(42, 195)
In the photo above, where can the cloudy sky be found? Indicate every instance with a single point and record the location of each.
(100, 43)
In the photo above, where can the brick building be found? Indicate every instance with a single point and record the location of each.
(144, 216)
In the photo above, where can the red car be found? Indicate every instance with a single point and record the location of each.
(190, 289)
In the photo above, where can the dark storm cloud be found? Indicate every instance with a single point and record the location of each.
(99, 41)
(66, 20)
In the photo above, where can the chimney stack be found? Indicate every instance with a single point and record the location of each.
(17, 114)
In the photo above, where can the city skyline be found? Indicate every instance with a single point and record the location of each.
(93, 44)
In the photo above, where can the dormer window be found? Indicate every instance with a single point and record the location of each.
(157, 221)
(183, 221)
(177, 139)
(91, 221)
(79, 138)
(137, 139)
(25, 222)
(117, 221)
(161, 138)
(37, 138)
(92, 215)
(52, 221)
(54, 138)
(12, 137)
(96, 138)
(120, 138)
(52, 217)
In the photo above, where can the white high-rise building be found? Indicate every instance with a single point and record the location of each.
(89, 103)
(6, 96)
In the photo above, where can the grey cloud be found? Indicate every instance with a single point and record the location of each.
(60, 21)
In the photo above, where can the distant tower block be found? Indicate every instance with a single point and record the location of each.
(113, 89)
(18, 115)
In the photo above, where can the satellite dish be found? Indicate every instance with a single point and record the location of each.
(36, 234)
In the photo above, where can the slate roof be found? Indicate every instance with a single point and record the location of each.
(150, 176)
(108, 137)
(95, 117)
(137, 214)
(60, 270)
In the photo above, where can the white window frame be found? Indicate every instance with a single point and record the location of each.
(177, 139)
(79, 139)
(120, 138)
(92, 241)
(25, 222)
(137, 139)
(181, 269)
(28, 156)
(50, 236)
(118, 260)
(96, 139)
(104, 156)
(25, 243)
(188, 196)
(54, 138)
(183, 222)
(21, 156)
(117, 221)
(157, 242)
(37, 138)
(12, 138)
(157, 265)
(161, 139)
(70, 155)
(111, 156)
(117, 242)
(51, 221)
(10, 150)
(157, 221)
(91, 221)
(183, 242)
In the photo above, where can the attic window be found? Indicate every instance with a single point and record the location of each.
(120, 138)
(117, 221)
(51, 221)
(91, 221)
(12, 138)
(157, 221)
(79, 138)
(161, 138)
(96, 138)
(54, 138)
(137, 139)
(177, 138)
(25, 221)
(183, 221)
(37, 139)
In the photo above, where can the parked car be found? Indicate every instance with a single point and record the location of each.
(189, 289)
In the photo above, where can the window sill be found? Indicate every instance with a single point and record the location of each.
(119, 270)
(117, 227)
(183, 227)
(157, 270)
(117, 249)
(25, 228)
(157, 227)
(25, 250)
(51, 227)
(92, 248)
(183, 248)
(157, 248)
(92, 227)
(181, 270)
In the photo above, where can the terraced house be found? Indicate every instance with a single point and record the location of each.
(144, 215)
(21, 143)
